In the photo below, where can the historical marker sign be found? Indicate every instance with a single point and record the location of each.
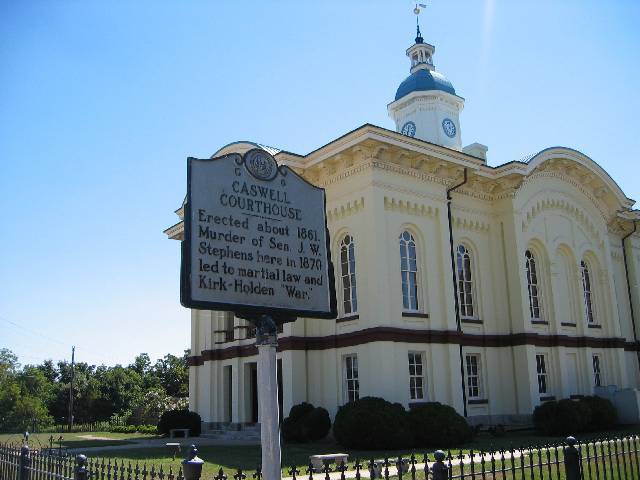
(256, 240)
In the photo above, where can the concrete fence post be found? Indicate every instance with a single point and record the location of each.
(25, 463)
(571, 460)
(439, 470)
(80, 472)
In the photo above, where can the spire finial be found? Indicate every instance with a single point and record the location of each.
(416, 10)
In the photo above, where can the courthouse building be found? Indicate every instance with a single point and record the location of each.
(488, 288)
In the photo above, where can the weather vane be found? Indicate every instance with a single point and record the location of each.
(416, 10)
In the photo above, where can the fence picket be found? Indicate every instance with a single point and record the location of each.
(293, 471)
(600, 459)
(634, 439)
(357, 467)
(610, 459)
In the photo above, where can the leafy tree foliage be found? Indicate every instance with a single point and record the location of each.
(38, 395)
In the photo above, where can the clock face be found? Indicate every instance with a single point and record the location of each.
(408, 129)
(449, 127)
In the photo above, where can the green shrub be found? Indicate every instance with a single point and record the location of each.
(179, 419)
(306, 423)
(318, 424)
(437, 425)
(544, 416)
(565, 417)
(299, 411)
(146, 429)
(603, 413)
(372, 423)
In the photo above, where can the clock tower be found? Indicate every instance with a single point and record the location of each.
(426, 105)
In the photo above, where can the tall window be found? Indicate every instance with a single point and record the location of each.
(597, 376)
(474, 383)
(543, 378)
(535, 307)
(409, 271)
(465, 282)
(348, 274)
(351, 383)
(587, 294)
(416, 376)
(228, 327)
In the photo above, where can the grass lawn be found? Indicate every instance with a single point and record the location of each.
(230, 458)
(73, 440)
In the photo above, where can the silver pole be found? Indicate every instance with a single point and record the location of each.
(73, 358)
(267, 341)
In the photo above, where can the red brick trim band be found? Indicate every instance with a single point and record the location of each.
(393, 334)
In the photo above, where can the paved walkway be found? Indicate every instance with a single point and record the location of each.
(456, 462)
(161, 442)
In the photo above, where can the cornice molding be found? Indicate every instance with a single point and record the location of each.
(538, 174)
(411, 208)
(470, 225)
(553, 203)
(348, 208)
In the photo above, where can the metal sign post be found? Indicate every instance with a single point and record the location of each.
(257, 244)
(267, 341)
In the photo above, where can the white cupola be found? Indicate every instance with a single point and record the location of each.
(426, 105)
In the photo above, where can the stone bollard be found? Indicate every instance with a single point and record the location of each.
(25, 463)
(80, 472)
(571, 460)
(192, 465)
(439, 471)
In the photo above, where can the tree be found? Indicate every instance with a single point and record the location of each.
(8, 363)
(37, 394)
(173, 373)
(23, 394)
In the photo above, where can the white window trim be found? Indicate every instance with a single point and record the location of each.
(345, 379)
(481, 389)
(418, 285)
(423, 377)
(547, 375)
(474, 290)
(354, 284)
(594, 314)
(539, 286)
(600, 373)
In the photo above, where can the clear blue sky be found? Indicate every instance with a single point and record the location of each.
(101, 103)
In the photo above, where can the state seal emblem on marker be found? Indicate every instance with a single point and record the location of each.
(261, 165)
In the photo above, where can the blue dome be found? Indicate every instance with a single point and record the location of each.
(422, 80)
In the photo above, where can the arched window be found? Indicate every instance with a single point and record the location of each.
(465, 282)
(409, 271)
(533, 286)
(587, 293)
(348, 274)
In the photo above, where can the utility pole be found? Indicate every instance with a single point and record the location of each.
(73, 354)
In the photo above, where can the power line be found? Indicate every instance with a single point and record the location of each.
(91, 352)
(33, 332)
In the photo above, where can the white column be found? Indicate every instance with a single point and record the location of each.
(268, 411)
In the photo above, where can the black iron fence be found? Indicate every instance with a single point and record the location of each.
(608, 459)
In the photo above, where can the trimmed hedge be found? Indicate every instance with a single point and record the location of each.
(603, 414)
(147, 429)
(179, 419)
(306, 423)
(565, 417)
(437, 425)
(372, 423)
